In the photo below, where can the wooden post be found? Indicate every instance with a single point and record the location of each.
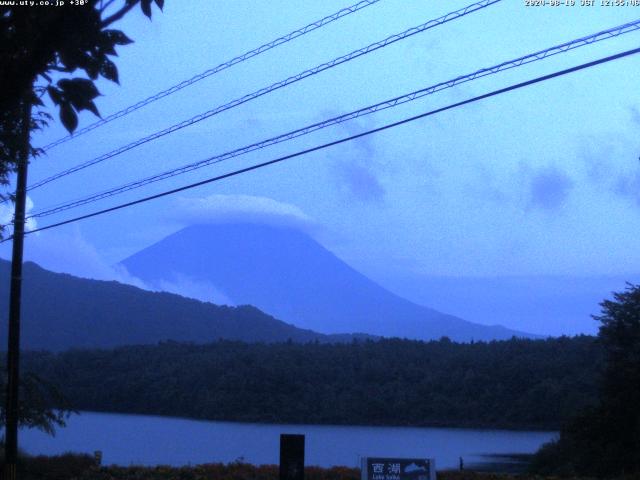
(13, 350)
(291, 457)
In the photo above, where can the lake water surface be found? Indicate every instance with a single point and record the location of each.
(149, 440)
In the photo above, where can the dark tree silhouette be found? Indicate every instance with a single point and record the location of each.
(38, 397)
(38, 43)
(515, 384)
(605, 440)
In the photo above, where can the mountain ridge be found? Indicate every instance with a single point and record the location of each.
(60, 311)
(291, 276)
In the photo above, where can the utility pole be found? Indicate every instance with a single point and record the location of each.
(13, 350)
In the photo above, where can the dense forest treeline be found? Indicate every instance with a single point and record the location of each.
(512, 384)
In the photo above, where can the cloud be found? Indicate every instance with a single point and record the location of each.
(241, 208)
(74, 255)
(191, 288)
(6, 215)
(628, 186)
(635, 115)
(612, 164)
(549, 188)
(65, 252)
(364, 144)
(356, 171)
(361, 182)
(71, 253)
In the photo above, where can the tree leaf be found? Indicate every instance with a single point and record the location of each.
(160, 4)
(106, 47)
(78, 89)
(92, 68)
(109, 70)
(55, 94)
(68, 117)
(146, 7)
(116, 37)
(67, 60)
(80, 92)
(92, 108)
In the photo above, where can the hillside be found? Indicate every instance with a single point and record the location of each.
(61, 311)
(288, 274)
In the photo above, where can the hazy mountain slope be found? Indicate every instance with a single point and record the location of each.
(62, 311)
(546, 304)
(288, 274)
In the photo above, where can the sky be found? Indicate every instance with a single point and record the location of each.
(540, 181)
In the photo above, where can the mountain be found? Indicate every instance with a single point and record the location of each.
(546, 304)
(60, 311)
(288, 274)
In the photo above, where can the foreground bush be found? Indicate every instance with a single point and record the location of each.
(83, 467)
(604, 440)
(58, 467)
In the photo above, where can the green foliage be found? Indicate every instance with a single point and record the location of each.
(37, 43)
(57, 467)
(516, 383)
(620, 336)
(82, 467)
(605, 440)
(37, 398)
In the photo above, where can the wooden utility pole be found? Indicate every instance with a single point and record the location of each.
(13, 350)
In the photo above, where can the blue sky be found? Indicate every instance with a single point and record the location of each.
(545, 180)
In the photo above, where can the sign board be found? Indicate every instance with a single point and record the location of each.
(375, 468)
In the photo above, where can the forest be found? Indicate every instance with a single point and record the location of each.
(518, 383)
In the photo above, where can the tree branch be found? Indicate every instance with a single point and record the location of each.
(118, 15)
(106, 5)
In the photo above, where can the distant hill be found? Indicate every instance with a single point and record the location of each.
(289, 275)
(61, 311)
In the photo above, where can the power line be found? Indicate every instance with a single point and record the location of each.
(275, 86)
(342, 140)
(540, 55)
(217, 69)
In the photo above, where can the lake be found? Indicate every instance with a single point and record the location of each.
(150, 440)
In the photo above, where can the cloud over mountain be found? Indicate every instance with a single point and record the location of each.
(220, 209)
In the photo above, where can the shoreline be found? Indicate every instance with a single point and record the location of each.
(479, 427)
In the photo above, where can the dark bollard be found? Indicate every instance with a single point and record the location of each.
(291, 457)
